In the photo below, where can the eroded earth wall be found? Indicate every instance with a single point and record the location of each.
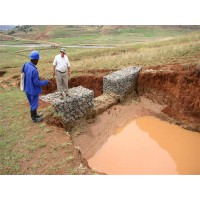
(177, 87)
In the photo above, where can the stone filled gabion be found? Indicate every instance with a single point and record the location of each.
(121, 82)
(74, 105)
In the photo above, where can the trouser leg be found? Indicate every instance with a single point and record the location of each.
(65, 82)
(33, 101)
(59, 81)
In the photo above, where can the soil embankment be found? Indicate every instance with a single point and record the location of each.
(175, 87)
(178, 88)
(91, 79)
(91, 82)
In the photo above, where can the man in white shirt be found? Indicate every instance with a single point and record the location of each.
(61, 68)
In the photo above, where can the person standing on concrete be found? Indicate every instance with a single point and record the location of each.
(61, 69)
(32, 85)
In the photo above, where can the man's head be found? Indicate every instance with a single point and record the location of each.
(63, 51)
(34, 57)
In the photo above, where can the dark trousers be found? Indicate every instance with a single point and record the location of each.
(33, 101)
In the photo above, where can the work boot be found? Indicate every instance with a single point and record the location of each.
(34, 116)
(38, 115)
(38, 120)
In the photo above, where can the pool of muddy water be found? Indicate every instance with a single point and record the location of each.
(147, 145)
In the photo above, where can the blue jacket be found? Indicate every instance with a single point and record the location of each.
(32, 83)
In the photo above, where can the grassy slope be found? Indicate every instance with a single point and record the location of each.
(12, 131)
(113, 35)
(103, 34)
(158, 52)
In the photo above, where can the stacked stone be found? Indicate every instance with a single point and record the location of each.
(74, 105)
(121, 82)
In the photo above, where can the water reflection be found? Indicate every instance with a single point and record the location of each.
(148, 145)
(182, 145)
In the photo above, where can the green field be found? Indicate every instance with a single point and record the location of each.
(157, 46)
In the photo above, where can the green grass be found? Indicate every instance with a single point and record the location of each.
(84, 39)
(114, 34)
(6, 50)
(15, 123)
(12, 130)
(144, 54)
(103, 34)
(18, 42)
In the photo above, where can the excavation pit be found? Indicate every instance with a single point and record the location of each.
(91, 82)
(79, 100)
(170, 93)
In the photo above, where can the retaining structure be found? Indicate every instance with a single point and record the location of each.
(73, 106)
(79, 99)
(121, 82)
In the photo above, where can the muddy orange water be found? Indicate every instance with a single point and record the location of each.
(148, 145)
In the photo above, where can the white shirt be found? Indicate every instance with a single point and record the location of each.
(61, 63)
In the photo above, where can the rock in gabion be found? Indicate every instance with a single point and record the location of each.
(121, 82)
(74, 105)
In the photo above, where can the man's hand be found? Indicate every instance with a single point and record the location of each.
(53, 74)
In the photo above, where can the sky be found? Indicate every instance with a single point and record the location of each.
(100, 12)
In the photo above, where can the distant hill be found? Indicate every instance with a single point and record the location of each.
(6, 27)
(63, 31)
(99, 34)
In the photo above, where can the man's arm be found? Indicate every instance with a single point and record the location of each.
(68, 68)
(54, 70)
(54, 66)
(69, 71)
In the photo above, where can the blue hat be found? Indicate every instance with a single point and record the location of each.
(34, 55)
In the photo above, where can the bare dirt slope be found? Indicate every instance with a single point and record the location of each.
(178, 88)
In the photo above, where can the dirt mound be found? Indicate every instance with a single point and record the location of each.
(177, 87)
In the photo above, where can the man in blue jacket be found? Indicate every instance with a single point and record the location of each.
(32, 84)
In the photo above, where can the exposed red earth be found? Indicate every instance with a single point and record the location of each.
(169, 92)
